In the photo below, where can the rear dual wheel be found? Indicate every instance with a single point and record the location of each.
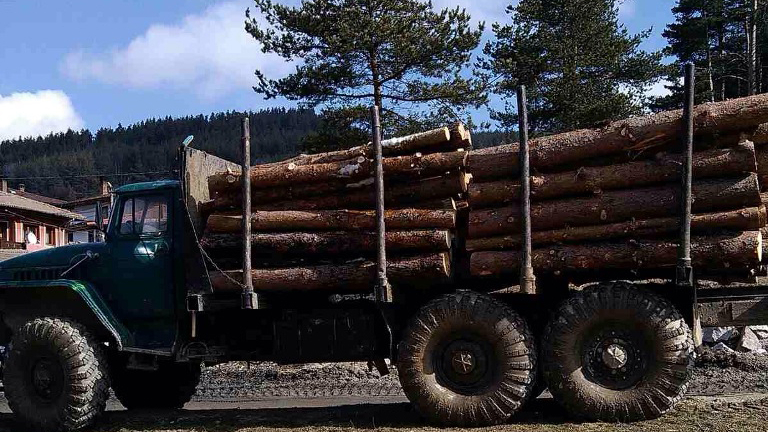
(467, 359)
(616, 352)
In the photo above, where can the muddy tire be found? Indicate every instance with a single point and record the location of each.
(616, 352)
(56, 378)
(467, 360)
(169, 387)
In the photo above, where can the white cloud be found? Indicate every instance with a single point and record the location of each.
(32, 114)
(658, 89)
(208, 53)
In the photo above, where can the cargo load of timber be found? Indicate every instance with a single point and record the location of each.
(314, 225)
(610, 198)
(605, 202)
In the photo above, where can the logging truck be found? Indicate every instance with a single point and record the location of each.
(141, 312)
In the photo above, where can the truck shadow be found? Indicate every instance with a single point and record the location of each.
(366, 416)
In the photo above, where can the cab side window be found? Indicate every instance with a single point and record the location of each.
(144, 215)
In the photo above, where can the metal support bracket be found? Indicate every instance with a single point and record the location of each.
(527, 277)
(383, 288)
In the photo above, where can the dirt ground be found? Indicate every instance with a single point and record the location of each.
(750, 414)
(729, 392)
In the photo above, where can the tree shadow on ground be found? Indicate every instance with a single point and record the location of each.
(365, 416)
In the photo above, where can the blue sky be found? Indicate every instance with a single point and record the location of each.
(92, 63)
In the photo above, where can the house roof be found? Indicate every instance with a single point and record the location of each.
(14, 201)
(36, 197)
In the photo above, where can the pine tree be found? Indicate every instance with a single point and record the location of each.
(726, 40)
(398, 54)
(580, 66)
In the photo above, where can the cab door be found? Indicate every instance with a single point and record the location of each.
(141, 246)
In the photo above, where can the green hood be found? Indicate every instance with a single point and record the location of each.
(62, 256)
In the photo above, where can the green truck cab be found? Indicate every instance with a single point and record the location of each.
(137, 314)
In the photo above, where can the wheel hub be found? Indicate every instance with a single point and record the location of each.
(47, 379)
(463, 362)
(463, 365)
(615, 356)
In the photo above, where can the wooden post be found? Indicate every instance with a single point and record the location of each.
(248, 297)
(383, 289)
(527, 278)
(684, 270)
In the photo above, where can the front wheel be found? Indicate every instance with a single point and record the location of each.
(467, 359)
(616, 352)
(56, 378)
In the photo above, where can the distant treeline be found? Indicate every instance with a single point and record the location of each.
(67, 165)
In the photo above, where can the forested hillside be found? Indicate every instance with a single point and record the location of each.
(67, 165)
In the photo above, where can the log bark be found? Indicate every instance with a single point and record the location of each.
(764, 233)
(751, 218)
(405, 195)
(328, 220)
(331, 243)
(663, 169)
(762, 166)
(620, 136)
(353, 170)
(421, 271)
(742, 250)
(618, 206)
(439, 138)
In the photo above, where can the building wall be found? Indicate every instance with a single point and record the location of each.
(13, 229)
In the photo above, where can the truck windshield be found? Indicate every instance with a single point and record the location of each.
(144, 215)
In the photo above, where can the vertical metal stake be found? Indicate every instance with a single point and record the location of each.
(248, 297)
(527, 278)
(383, 289)
(684, 276)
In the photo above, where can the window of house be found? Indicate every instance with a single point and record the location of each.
(4, 234)
(144, 215)
(50, 234)
(32, 234)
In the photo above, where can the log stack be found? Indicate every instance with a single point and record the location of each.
(609, 198)
(314, 226)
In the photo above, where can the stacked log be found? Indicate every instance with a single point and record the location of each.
(314, 226)
(609, 198)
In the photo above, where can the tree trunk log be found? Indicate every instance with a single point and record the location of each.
(618, 206)
(751, 218)
(761, 153)
(331, 243)
(743, 250)
(291, 175)
(439, 138)
(420, 271)
(664, 169)
(404, 195)
(620, 136)
(329, 220)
